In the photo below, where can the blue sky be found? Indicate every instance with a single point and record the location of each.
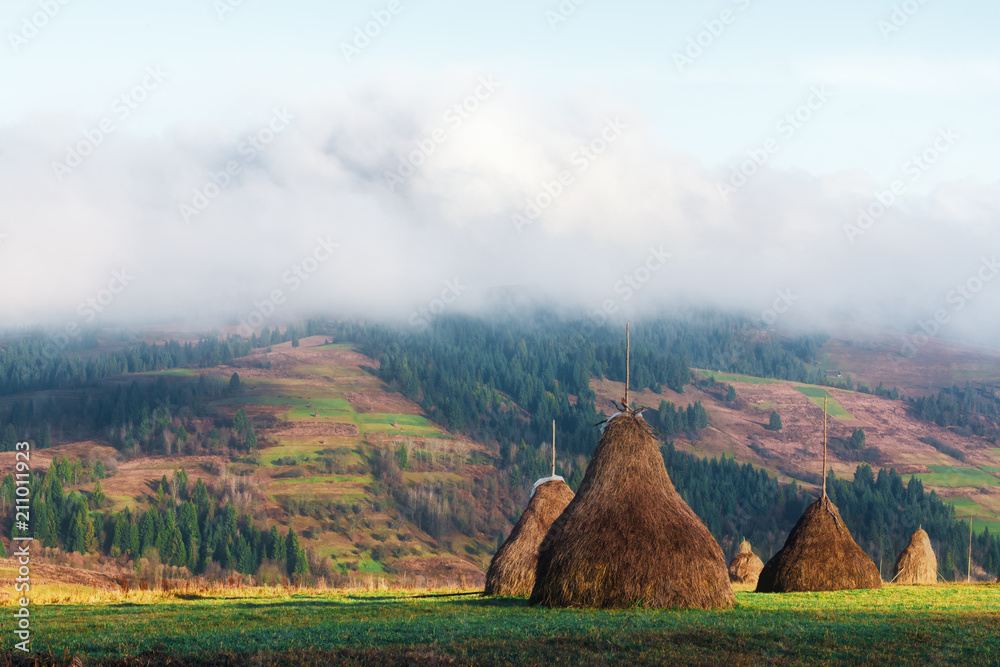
(940, 67)
(892, 78)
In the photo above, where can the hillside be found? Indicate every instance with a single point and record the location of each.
(894, 438)
(322, 417)
(916, 365)
(374, 486)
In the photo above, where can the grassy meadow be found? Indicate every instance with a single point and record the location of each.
(946, 624)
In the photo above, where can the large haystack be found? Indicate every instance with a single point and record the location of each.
(745, 566)
(917, 564)
(512, 570)
(628, 538)
(819, 555)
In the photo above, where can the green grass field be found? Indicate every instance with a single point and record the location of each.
(733, 377)
(326, 479)
(817, 394)
(949, 624)
(982, 516)
(955, 476)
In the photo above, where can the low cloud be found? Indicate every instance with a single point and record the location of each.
(453, 220)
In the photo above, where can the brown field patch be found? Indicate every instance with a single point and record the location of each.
(50, 574)
(382, 403)
(444, 570)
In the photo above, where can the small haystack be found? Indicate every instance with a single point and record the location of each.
(628, 537)
(819, 555)
(917, 564)
(512, 570)
(745, 566)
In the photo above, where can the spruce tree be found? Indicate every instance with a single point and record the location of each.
(774, 424)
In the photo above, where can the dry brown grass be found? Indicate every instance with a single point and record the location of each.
(628, 538)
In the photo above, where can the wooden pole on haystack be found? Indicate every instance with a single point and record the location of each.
(824, 446)
(553, 447)
(628, 350)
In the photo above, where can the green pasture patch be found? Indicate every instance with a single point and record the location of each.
(817, 394)
(322, 479)
(371, 566)
(733, 377)
(300, 414)
(957, 476)
(407, 420)
(269, 399)
(182, 372)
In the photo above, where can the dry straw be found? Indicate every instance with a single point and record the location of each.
(745, 566)
(512, 570)
(819, 554)
(628, 538)
(917, 563)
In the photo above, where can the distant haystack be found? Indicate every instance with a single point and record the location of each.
(746, 566)
(628, 538)
(917, 564)
(819, 555)
(512, 570)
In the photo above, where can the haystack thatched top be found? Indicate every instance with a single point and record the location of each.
(745, 547)
(545, 480)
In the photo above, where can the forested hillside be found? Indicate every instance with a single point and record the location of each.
(500, 383)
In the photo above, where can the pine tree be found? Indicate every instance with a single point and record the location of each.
(730, 394)
(273, 542)
(774, 424)
(857, 439)
(98, 495)
(89, 535)
(234, 383)
(291, 552)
